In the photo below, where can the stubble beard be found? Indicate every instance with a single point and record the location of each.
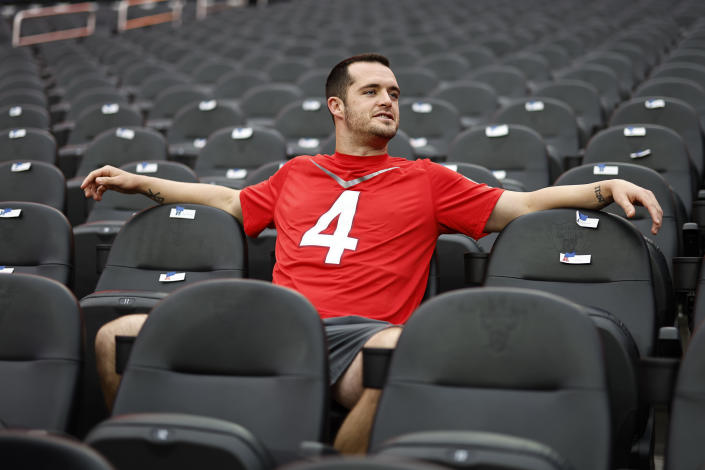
(364, 127)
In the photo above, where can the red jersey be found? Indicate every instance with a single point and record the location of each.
(355, 235)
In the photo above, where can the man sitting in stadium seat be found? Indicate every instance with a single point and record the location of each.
(357, 229)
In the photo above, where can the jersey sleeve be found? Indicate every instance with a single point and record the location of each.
(258, 202)
(462, 205)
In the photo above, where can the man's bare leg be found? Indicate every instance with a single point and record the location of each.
(128, 325)
(354, 434)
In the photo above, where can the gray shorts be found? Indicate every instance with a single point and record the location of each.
(346, 337)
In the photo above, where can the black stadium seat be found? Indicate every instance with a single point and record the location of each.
(28, 449)
(32, 181)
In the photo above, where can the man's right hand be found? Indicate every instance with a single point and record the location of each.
(108, 177)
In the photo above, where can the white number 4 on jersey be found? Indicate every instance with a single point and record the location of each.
(344, 208)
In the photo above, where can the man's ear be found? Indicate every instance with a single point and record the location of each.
(336, 107)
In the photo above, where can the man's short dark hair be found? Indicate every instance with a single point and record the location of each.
(339, 79)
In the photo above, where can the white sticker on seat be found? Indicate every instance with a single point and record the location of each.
(17, 133)
(20, 166)
(147, 167)
(6, 270)
(308, 142)
(311, 105)
(533, 106)
(199, 143)
(417, 142)
(15, 111)
(585, 221)
(572, 258)
(207, 105)
(497, 131)
(241, 133)
(602, 169)
(631, 131)
(422, 107)
(10, 213)
(179, 212)
(111, 108)
(172, 277)
(236, 173)
(640, 154)
(451, 166)
(655, 103)
(127, 134)
(499, 174)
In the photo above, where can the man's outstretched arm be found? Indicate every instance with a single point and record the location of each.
(585, 196)
(160, 190)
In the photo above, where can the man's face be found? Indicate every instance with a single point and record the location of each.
(372, 101)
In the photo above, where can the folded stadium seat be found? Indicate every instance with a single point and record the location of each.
(92, 122)
(190, 61)
(553, 119)
(507, 81)
(30, 449)
(21, 82)
(620, 64)
(154, 253)
(258, 59)
(305, 125)
(640, 61)
(234, 367)
(262, 103)
(327, 58)
(23, 116)
(476, 55)
(557, 56)
(687, 55)
(447, 66)
(313, 83)
(668, 112)
(27, 144)
(193, 124)
(535, 67)
(431, 125)
(669, 238)
(111, 147)
(79, 85)
(601, 77)
(210, 71)
(153, 86)
(94, 238)
(584, 100)
(23, 96)
(510, 151)
(610, 268)
(288, 69)
(500, 44)
(21, 179)
(382, 462)
(416, 82)
(475, 101)
(137, 72)
(489, 375)
(680, 88)
(685, 70)
(40, 353)
(400, 56)
(684, 448)
(71, 110)
(233, 85)
(26, 247)
(170, 101)
(650, 145)
(232, 153)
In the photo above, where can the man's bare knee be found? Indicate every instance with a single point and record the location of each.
(129, 325)
(387, 338)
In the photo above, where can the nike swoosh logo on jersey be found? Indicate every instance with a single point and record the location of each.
(349, 184)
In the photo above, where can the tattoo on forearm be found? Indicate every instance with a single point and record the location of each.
(598, 195)
(155, 197)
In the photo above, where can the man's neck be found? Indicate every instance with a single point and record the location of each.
(362, 149)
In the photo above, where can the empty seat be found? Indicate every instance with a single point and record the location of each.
(23, 116)
(27, 144)
(488, 375)
(535, 67)
(447, 66)
(231, 154)
(170, 101)
(20, 180)
(235, 366)
(415, 82)
(304, 125)
(475, 101)
(40, 353)
(193, 124)
(262, 103)
(27, 449)
(683, 89)
(233, 85)
(507, 81)
(431, 125)
(288, 70)
(599, 76)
